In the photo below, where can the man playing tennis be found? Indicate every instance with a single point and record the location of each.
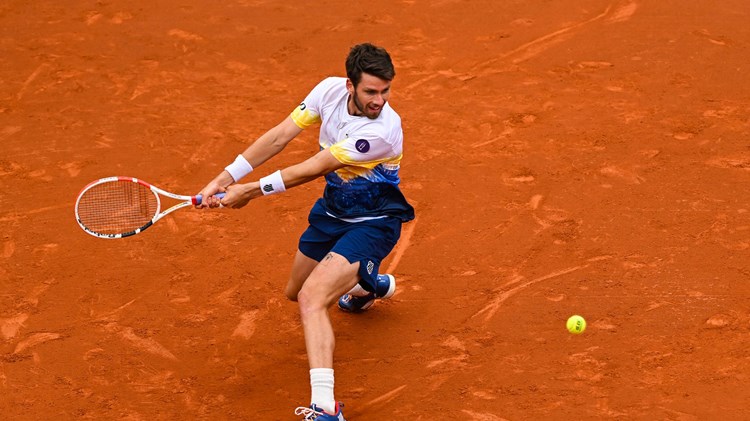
(356, 223)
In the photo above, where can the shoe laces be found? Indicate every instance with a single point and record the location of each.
(309, 413)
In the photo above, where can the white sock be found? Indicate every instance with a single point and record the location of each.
(321, 381)
(358, 291)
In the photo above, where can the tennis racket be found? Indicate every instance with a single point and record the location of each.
(118, 207)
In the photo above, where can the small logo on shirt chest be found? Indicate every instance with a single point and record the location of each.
(362, 145)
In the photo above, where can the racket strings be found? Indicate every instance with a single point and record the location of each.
(117, 207)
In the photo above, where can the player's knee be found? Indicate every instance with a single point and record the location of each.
(291, 291)
(308, 303)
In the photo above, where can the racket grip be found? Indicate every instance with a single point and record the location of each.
(198, 199)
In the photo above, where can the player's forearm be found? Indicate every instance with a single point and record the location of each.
(316, 166)
(279, 181)
(246, 162)
(264, 148)
(271, 142)
(224, 179)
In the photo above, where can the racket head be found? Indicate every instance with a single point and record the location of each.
(116, 207)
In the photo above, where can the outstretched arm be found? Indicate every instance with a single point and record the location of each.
(266, 146)
(318, 165)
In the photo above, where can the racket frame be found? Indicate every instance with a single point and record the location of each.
(186, 201)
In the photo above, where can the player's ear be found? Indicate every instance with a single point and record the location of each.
(349, 86)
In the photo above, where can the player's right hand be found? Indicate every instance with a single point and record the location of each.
(217, 185)
(209, 199)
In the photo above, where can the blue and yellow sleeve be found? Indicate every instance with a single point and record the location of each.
(304, 117)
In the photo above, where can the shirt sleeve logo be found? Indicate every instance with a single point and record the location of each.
(302, 106)
(362, 145)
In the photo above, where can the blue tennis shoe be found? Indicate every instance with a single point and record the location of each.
(386, 286)
(317, 414)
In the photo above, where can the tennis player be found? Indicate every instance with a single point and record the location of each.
(356, 223)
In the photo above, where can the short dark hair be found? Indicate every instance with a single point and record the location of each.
(367, 58)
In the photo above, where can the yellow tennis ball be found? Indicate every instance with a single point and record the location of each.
(576, 324)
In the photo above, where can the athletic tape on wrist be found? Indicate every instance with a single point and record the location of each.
(272, 184)
(239, 168)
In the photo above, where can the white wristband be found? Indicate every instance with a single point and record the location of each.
(272, 184)
(239, 168)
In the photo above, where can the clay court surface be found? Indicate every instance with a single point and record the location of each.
(564, 157)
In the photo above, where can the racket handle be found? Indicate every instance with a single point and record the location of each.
(198, 199)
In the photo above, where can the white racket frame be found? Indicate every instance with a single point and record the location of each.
(186, 201)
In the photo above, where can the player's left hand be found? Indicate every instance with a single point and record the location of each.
(239, 195)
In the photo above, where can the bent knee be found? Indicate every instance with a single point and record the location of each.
(291, 292)
(309, 303)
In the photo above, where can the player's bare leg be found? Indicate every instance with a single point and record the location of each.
(331, 278)
(301, 269)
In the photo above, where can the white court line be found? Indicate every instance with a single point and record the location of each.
(30, 79)
(402, 245)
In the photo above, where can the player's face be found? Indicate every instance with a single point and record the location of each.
(369, 97)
